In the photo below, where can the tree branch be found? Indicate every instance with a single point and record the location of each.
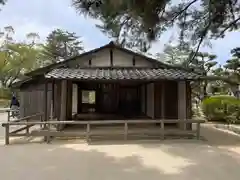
(201, 40)
(184, 9)
(228, 26)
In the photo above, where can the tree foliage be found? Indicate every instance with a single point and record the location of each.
(207, 65)
(19, 59)
(2, 2)
(137, 23)
(16, 58)
(61, 45)
(174, 55)
(233, 65)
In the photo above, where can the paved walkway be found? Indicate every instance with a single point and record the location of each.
(213, 159)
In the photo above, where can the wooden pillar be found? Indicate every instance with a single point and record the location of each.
(53, 97)
(182, 105)
(69, 100)
(79, 96)
(63, 105)
(188, 104)
(150, 100)
(52, 102)
(163, 100)
(58, 100)
(145, 99)
(7, 134)
(45, 107)
(21, 94)
(74, 98)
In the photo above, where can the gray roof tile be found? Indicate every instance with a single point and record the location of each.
(120, 74)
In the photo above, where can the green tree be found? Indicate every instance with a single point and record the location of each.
(15, 58)
(174, 55)
(33, 37)
(139, 23)
(61, 45)
(203, 63)
(19, 59)
(219, 86)
(233, 65)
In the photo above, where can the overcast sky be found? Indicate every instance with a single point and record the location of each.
(42, 16)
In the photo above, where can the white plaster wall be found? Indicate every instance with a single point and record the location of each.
(74, 98)
(83, 62)
(124, 59)
(141, 62)
(150, 100)
(101, 58)
(182, 104)
(121, 58)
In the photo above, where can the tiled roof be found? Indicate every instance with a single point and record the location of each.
(120, 74)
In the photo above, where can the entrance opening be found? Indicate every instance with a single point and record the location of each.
(88, 101)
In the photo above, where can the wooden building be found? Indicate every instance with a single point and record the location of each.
(109, 82)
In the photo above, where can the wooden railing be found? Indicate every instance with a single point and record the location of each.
(20, 122)
(10, 112)
(47, 133)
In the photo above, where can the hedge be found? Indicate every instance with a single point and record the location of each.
(222, 108)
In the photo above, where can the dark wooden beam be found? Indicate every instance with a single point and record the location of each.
(53, 97)
(111, 57)
(69, 99)
(45, 107)
(63, 113)
(79, 104)
(133, 61)
(145, 96)
(58, 99)
(163, 100)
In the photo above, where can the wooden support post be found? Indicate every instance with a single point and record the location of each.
(182, 105)
(48, 134)
(52, 102)
(41, 126)
(7, 134)
(198, 130)
(63, 107)
(8, 118)
(125, 130)
(45, 101)
(45, 107)
(163, 100)
(162, 129)
(27, 127)
(53, 98)
(88, 132)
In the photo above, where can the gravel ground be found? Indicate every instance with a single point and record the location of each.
(217, 158)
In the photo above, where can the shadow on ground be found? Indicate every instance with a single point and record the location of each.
(167, 160)
(128, 160)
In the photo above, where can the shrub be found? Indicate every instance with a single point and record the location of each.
(222, 108)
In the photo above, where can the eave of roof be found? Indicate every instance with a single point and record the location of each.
(17, 84)
(121, 74)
